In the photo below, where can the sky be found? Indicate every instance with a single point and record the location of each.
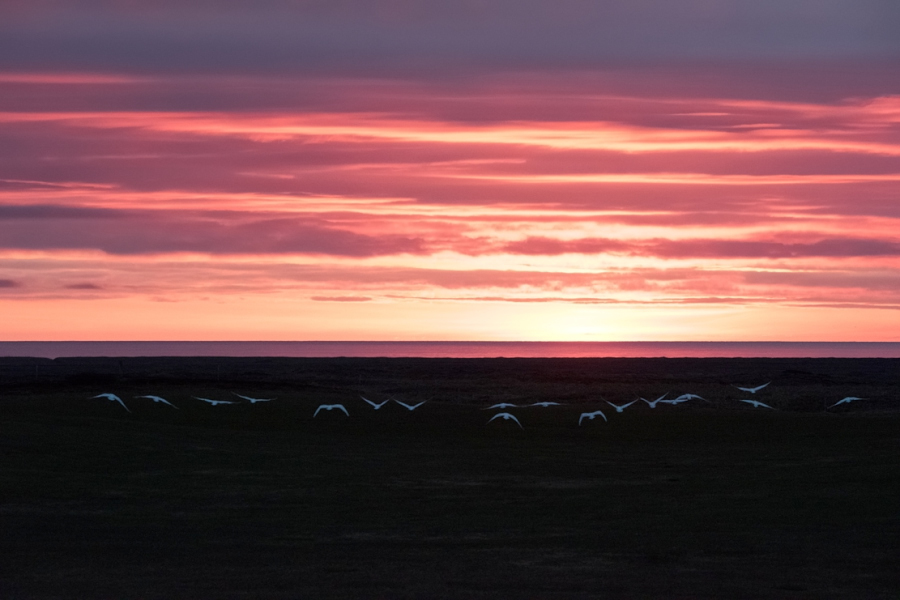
(476, 170)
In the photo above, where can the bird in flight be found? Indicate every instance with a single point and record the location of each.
(674, 401)
(655, 402)
(620, 408)
(757, 404)
(753, 390)
(330, 407)
(410, 406)
(591, 416)
(253, 400)
(158, 399)
(214, 402)
(374, 405)
(112, 397)
(846, 400)
(506, 417)
(545, 404)
(686, 397)
(501, 405)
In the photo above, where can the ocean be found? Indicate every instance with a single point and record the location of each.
(459, 349)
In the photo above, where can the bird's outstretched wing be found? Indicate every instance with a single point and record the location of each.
(655, 402)
(506, 417)
(158, 399)
(622, 407)
(214, 402)
(252, 400)
(113, 398)
(331, 407)
(591, 416)
(752, 390)
(757, 404)
(846, 400)
(374, 405)
(410, 406)
(501, 405)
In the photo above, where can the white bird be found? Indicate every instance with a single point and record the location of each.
(158, 399)
(506, 417)
(410, 406)
(501, 405)
(112, 397)
(847, 400)
(214, 402)
(686, 397)
(655, 402)
(682, 399)
(674, 401)
(545, 404)
(620, 408)
(753, 390)
(253, 400)
(591, 416)
(330, 407)
(375, 405)
(757, 404)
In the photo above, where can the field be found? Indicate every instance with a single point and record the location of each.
(701, 500)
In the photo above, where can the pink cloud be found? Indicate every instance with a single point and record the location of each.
(143, 232)
(83, 286)
(341, 298)
(708, 248)
(594, 189)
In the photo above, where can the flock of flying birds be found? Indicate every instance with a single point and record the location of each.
(506, 416)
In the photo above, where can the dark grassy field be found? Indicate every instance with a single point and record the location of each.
(701, 500)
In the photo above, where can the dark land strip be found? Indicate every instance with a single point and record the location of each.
(700, 500)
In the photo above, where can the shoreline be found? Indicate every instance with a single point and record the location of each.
(451, 349)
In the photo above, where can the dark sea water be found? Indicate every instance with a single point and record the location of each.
(459, 349)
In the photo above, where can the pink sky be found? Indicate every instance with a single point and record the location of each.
(600, 203)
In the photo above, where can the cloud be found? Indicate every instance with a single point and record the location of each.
(144, 232)
(550, 246)
(707, 248)
(835, 248)
(83, 286)
(341, 298)
(9, 283)
(869, 280)
(387, 36)
(675, 187)
(56, 211)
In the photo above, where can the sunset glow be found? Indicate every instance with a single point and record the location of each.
(585, 203)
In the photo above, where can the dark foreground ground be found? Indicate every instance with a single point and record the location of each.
(702, 500)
